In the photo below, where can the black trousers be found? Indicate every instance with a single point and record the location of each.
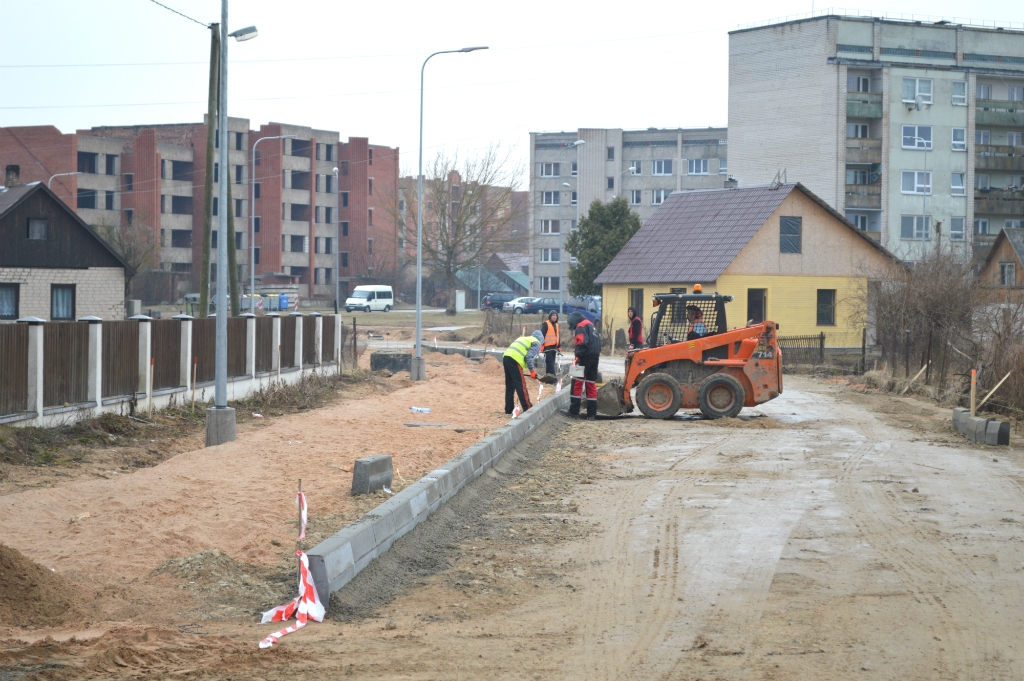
(549, 357)
(514, 384)
(587, 385)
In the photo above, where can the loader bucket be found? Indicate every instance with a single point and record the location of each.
(609, 398)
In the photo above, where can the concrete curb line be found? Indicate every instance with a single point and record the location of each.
(984, 431)
(336, 560)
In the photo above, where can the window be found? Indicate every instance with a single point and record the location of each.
(369, 217)
(982, 137)
(917, 137)
(327, 245)
(9, 301)
(256, 255)
(62, 301)
(636, 168)
(551, 198)
(318, 241)
(981, 181)
(129, 182)
(550, 227)
(723, 167)
(959, 139)
(181, 238)
(128, 214)
(917, 87)
(858, 84)
(181, 205)
(329, 151)
(163, 203)
(86, 198)
(957, 185)
(1013, 139)
(635, 197)
(344, 167)
(549, 170)
(344, 228)
(956, 229)
(572, 198)
(86, 162)
(369, 187)
(256, 190)
(662, 167)
(344, 199)
(789, 234)
(858, 176)
(658, 196)
(238, 208)
(238, 174)
(572, 225)
(1015, 94)
(37, 229)
(549, 283)
(216, 139)
(238, 240)
(110, 160)
(636, 301)
(697, 166)
(256, 156)
(826, 307)
(550, 255)
(1007, 274)
(611, 183)
(860, 221)
(213, 241)
(344, 258)
(915, 227)
(255, 224)
(369, 155)
(574, 169)
(916, 182)
(108, 200)
(329, 215)
(984, 91)
(981, 226)
(959, 93)
(329, 183)
(1013, 224)
(611, 154)
(238, 141)
(298, 244)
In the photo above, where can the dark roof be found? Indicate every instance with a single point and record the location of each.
(1015, 235)
(694, 235)
(12, 195)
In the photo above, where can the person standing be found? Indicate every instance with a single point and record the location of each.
(636, 329)
(519, 358)
(549, 327)
(588, 354)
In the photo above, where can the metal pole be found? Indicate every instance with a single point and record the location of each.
(337, 246)
(561, 219)
(221, 365)
(58, 175)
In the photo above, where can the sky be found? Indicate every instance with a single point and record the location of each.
(354, 67)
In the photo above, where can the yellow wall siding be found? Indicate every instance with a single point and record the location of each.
(615, 301)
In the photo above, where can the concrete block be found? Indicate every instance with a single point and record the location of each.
(400, 509)
(391, 360)
(220, 426)
(371, 473)
(997, 433)
(362, 536)
(958, 416)
(976, 428)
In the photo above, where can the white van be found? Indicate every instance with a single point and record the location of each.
(370, 299)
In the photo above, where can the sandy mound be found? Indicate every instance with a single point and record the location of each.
(32, 595)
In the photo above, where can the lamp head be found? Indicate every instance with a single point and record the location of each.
(243, 34)
(578, 142)
(335, 171)
(473, 49)
(566, 184)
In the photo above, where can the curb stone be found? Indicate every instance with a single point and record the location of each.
(336, 560)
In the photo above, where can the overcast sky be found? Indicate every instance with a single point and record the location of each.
(354, 67)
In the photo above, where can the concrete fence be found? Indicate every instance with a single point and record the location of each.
(47, 364)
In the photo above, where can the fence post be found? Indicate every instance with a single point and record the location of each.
(906, 356)
(337, 340)
(95, 382)
(928, 360)
(821, 348)
(35, 364)
(355, 351)
(318, 339)
(145, 351)
(250, 343)
(298, 338)
(864, 351)
(275, 342)
(185, 353)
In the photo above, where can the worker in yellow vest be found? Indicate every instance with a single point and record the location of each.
(519, 358)
(550, 346)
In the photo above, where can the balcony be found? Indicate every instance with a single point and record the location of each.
(864, 104)
(998, 157)
(999, 202)
(863, 150)
(993, 112)
(864, 196)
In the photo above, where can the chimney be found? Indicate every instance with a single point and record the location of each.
(731, 183)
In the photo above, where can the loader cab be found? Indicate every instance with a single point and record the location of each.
(669, 323)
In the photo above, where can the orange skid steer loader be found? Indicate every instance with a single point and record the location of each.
(719, 372)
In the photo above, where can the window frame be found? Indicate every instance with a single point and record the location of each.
(954, 232)
(45, 231)
(979, 89)
(791, 234)
(829, 309)
(550, 227)
(552, 198)
(982, 136)
(545, 284)
(636, 197)
(918, 186)
(54, 288)
(661, 167)
(981, 226)
(961, 98)
(723, 166)
(553, 171)
(920, 228)
(917, 137)
(636, 168)
(960, 145)
(1005, 267)
(661, 194)
(957, 190)
(547, 253)
(696, 166)
(917, 90)
(7, 285)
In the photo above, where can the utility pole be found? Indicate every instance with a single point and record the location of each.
(211, 125)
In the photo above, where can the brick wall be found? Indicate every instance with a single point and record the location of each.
(99, 291)
(41, 152)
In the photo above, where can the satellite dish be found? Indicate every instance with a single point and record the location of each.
(917, 102)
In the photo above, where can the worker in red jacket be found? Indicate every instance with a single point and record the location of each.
(636, 329)
(588, 354)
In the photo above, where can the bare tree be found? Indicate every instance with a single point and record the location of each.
(469, 214)
(135, 242)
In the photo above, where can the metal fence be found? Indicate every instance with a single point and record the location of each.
(264, 344)
(14, 369)
(120, 358)
(166, 353)
(327, 340)
(236, 346)
(287, 342)
(308, 341)
(65, 363)
(204, 340)
(803, 349)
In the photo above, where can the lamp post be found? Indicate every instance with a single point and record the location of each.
(619, 182)
(220, 419)
(561, 219)
(252, 220)
(58, 175)
(419, 369)
(337, 248)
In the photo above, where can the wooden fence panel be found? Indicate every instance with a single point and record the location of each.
(13, 368)
(327, 353)
(308, 340)
(65, 363)
(264, 344)
(287, 342)
(204, 348)
(166, 353)
(803, 349)
(236, 346)
(120, 358)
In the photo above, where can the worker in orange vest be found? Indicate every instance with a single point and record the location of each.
(549, 327)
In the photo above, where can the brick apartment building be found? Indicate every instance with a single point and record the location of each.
(156, 174)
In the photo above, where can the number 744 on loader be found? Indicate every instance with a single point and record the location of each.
(719, 372)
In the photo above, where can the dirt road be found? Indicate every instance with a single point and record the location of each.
(844, 535)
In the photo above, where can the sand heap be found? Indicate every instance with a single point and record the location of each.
(32, 595)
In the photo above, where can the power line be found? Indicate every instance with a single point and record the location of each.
(171, 9)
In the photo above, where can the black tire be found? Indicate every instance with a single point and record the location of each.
(366, 309)
(387, 308)
(720, 396)
(659, 396)
(517, 310)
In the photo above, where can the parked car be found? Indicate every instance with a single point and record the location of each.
(541, 306)
(516, 304)
(588, 306)
(496, 301)
(370, 299)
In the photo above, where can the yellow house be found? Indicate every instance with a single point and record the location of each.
(780, 251)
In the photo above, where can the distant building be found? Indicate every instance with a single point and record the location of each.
(52, 265)
(912, 130)
(1003, 269)
(644, 166)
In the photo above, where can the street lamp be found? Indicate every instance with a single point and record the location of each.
(220, 419)
(419, 368)
(337, 250)
(58, 175)
(617, 181)
(252, 206)
(561, 220)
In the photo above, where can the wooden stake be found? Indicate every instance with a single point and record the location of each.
(916, 376)
(974, 390)
(298, 542)
(195, 370)
(992, 391)
(152, 367)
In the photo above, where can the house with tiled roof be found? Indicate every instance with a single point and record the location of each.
(780, 251)
(1004, 267)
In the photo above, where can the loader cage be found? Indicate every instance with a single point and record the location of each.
(669, 323)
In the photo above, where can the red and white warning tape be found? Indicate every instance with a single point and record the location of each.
(301, 501)
(306, 607)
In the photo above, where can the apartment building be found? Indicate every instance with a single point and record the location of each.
(571, 170)
(156, 174)
(912, 130)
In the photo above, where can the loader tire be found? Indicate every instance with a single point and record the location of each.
(720, 396)
(659, 396)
